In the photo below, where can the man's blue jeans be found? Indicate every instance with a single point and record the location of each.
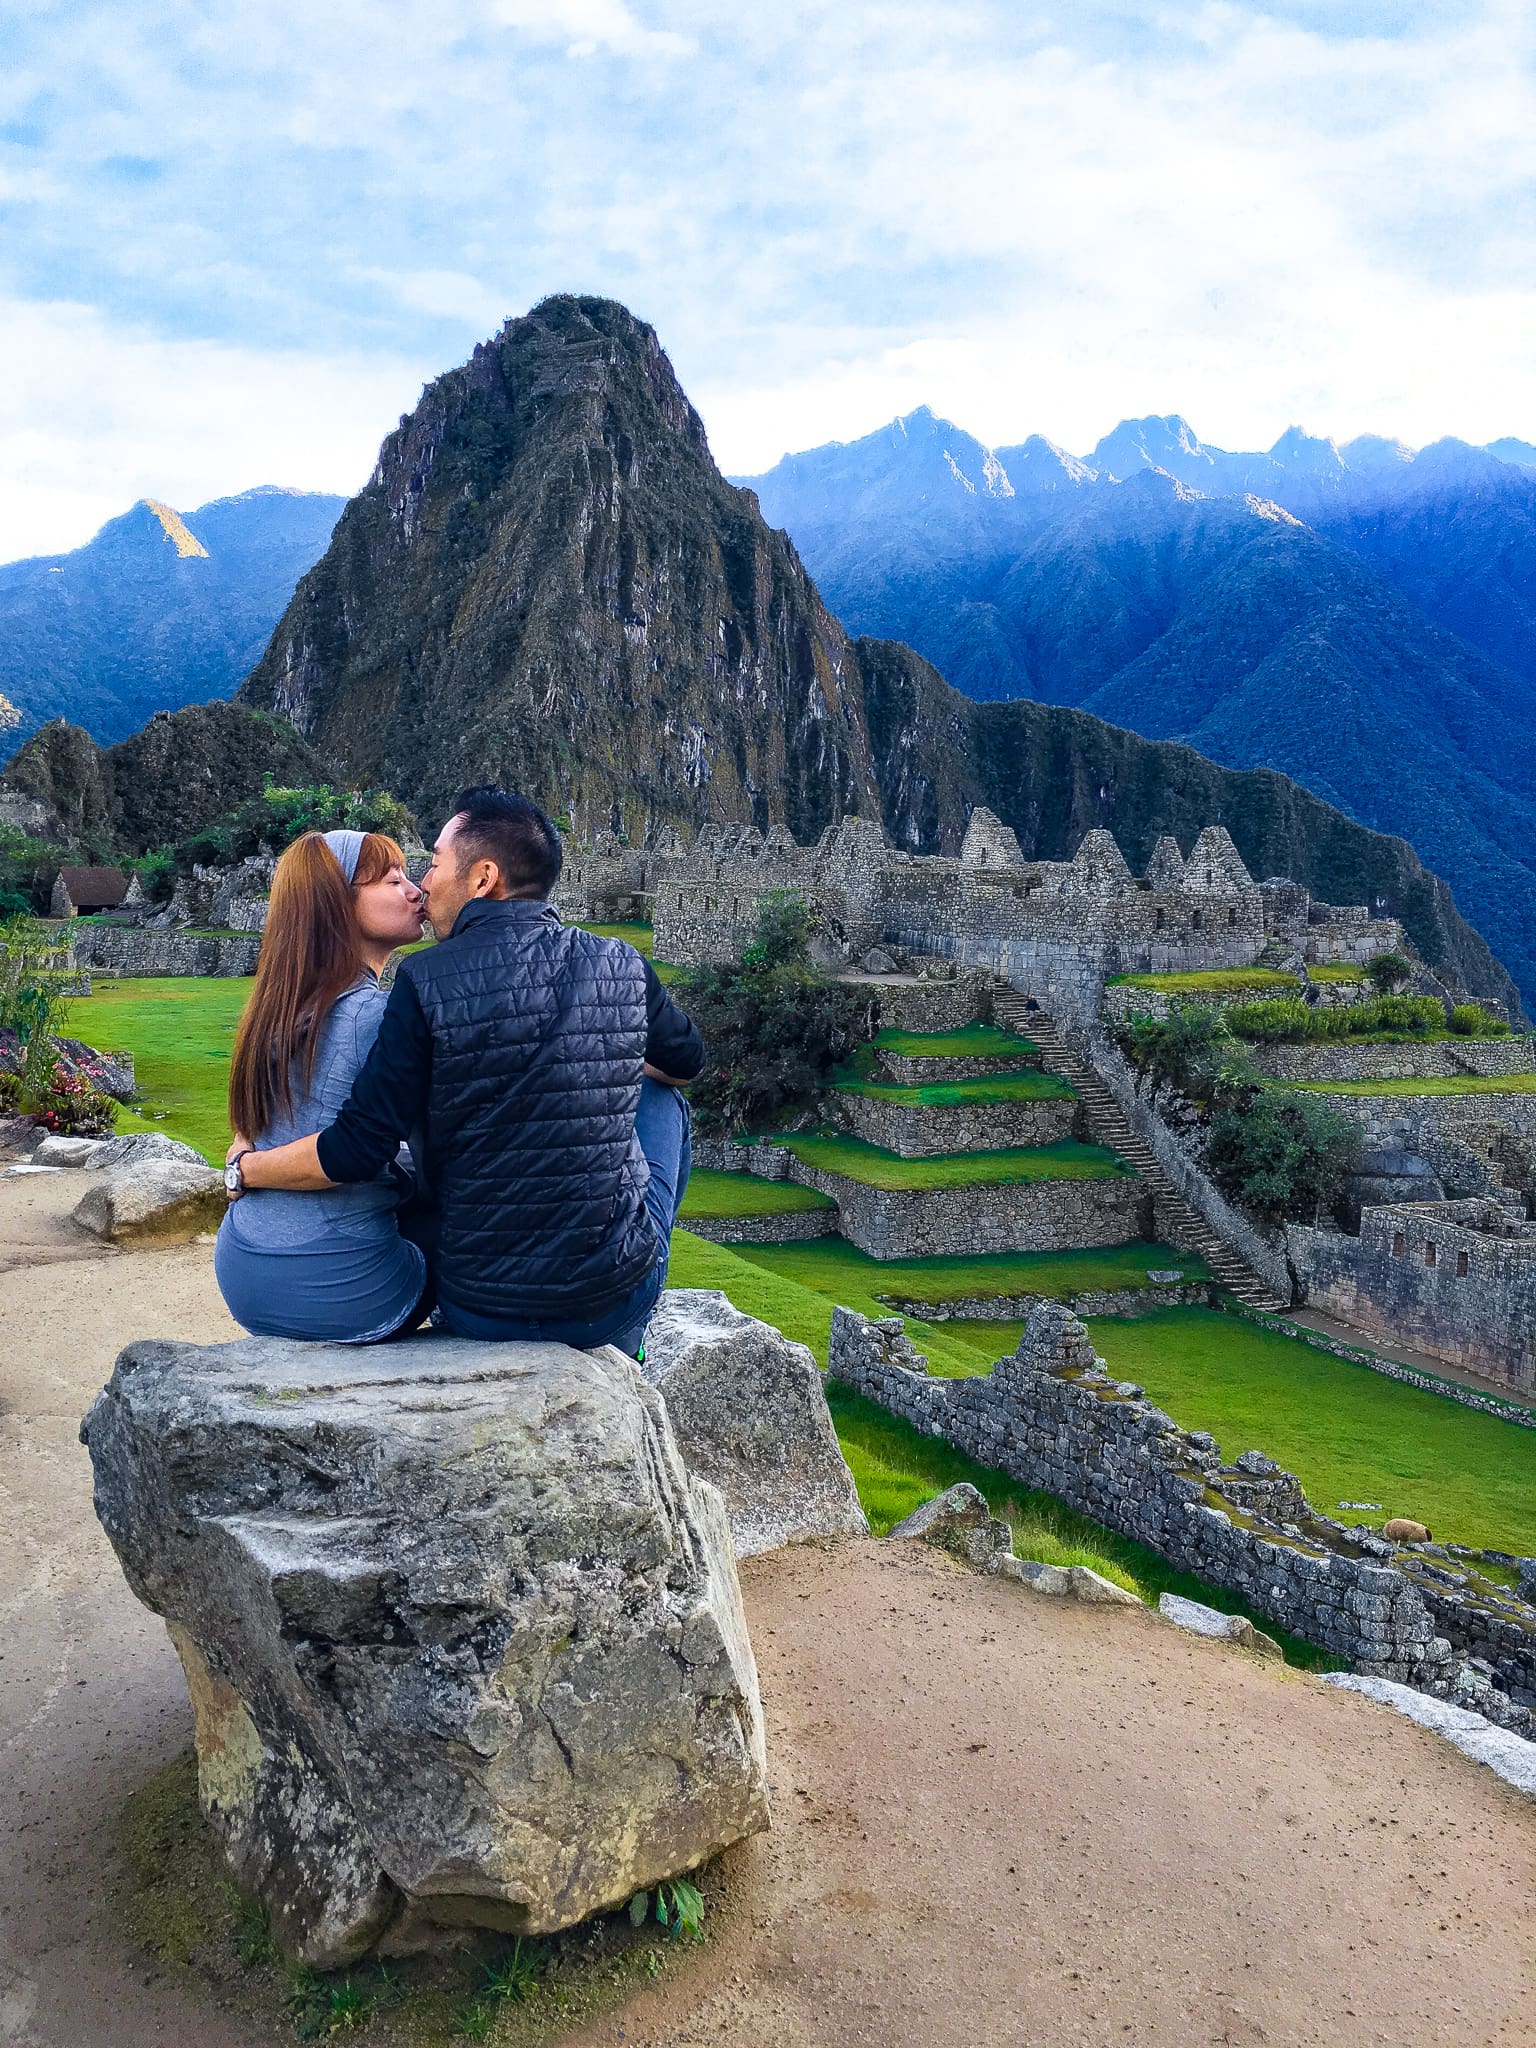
(663, 1124)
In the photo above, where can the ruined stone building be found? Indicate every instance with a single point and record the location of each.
(1055, 929)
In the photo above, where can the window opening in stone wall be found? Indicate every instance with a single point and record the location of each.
(1161, 919)
(1398, 1246)
(1231, 917)
(1208, 878)
(1429, 1255)
(1197, 920)
(1461, 1265)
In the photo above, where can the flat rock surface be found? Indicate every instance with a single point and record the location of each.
(986, 1804)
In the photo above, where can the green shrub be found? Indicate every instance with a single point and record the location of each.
(1282, 1019)
(157, 873)
(1471, 1020)
(774, 1027)
(1282, 1153)
(27, 869)
(279, 816)
(1399, 1013)
(1169, 1051)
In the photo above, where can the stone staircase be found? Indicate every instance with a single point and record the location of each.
(1110, 1126)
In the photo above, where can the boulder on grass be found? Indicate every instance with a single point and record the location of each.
(153, 1201)
(959, 1521)
(1067, 1582)
(751, 1416)
(463, 1636)
(1210, 1621)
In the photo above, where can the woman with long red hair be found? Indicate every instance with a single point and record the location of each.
(330, 1266)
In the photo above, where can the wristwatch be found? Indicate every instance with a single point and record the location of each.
(234, 1179)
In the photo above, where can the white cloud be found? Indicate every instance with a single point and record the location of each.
(585, 26)
(1033, 217)
(92, 419)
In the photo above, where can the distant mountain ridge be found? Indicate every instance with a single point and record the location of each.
(159, 610)
(1362, 618)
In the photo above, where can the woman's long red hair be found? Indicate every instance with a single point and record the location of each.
(311, 953)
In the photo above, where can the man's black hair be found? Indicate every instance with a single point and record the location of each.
(511, 831)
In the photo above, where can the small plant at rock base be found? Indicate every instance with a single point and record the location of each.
(321, 2008)
(253, 1931)
(475, 2021)
(516, 1977)
(679, 1906)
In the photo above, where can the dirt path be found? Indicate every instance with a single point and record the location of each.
(998, 1818)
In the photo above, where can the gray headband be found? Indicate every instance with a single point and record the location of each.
(346, 846)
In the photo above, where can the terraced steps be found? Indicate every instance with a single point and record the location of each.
(1109, 1125)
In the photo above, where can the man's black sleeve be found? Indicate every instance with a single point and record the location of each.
(389, 1096)
(672, 1043)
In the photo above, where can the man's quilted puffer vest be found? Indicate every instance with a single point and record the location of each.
(538, 1047)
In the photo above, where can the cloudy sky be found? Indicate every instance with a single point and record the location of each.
(237, 235)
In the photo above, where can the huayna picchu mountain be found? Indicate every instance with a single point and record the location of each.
(548, 582)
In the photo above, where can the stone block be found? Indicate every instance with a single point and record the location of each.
(463, 1636)
(750, 1415)
(155, 1201)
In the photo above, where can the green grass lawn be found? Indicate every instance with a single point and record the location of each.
(969, 1042)
(1033, 1086)
(874, 1167)
(743, 1194)
(896, 1469)
(1339, 970)
(180, 1030)
(832, 1266)
(1460, 1084)
(639, 936)
(1347, 1432)
(1213, 980)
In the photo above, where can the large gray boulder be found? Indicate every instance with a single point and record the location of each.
(751, 1415)
(132, 1146)
(463, 1636)
(154, 1201)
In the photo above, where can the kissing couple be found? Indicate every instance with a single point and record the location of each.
(501, 1137)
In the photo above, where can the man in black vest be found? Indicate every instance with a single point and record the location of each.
(535, 1071)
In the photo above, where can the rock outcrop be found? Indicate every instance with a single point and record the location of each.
(1201, 1620)
(155, 1200)
(750, 1415)
(463, 1636)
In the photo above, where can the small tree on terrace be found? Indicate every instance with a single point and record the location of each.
(1172, 1051)
(774, 1027)
(1282, 1153)
(1388, 972)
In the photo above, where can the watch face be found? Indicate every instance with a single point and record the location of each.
(232, 1179)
